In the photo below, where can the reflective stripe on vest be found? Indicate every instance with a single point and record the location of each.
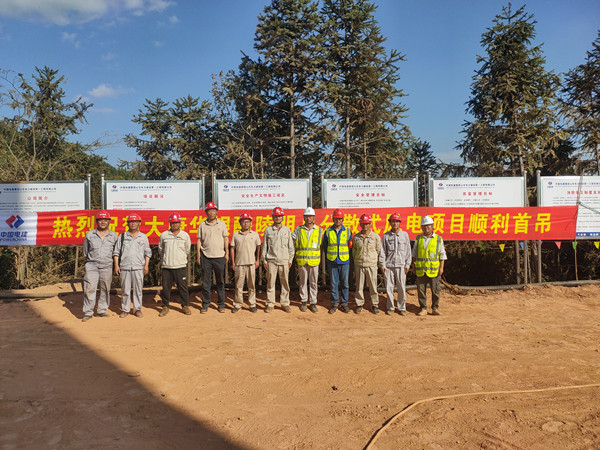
(335, 248)
(428, 259)
(309, 252)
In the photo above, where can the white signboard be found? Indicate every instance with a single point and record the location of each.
(43, 196)
(349, 193)
(153, 195)
(477, 192)
(18, 229)
(566, 190)
(262, 194)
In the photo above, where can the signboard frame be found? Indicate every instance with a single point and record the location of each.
(521, 180)
(85, 185)
(200, 183)
(306, 181)
(326, 201)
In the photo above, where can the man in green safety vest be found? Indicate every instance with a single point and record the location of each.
(307, 240)
(428, 255)
(335, 243)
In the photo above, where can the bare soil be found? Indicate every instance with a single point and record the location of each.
(304, 380)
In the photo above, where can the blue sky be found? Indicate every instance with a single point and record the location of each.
(117, 53)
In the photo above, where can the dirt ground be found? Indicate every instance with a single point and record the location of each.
(304, 380)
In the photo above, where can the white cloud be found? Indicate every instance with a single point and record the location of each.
(71, 38)
(65, 12)
(103, 110)
(173, 19)
(106, 90)
(109, 56)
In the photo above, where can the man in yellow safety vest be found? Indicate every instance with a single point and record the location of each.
(307, 240)
(428, 255)
(336, 245)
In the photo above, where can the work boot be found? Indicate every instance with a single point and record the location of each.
(139, 314)
(234, 310)
(253, 309)
(333, 309)
(423, 312)
(123, 315)
(186, 310)
(103, 315)
(375, 310)
(287, 309)
(402, 313)
(204, 310)
(389, 312)
(221, 308)
(435, 312)
(86, 318)
(164, 311)
(269, 309)
(314, 309)
(346, 309)
(303, 306)
(358, 310)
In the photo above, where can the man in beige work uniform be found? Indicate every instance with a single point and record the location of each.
(174, 248)
(213, 241)
(365, 252)
(245, 245)
(277, 255)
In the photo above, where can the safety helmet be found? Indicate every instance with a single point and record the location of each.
(395, 217)
(426, 221)
(365, 218)
(245, 216)
(277, 211)
(134, 217)
(174, 217)
(102, 215)
(338, 214)
(309, 212)
(210, 205)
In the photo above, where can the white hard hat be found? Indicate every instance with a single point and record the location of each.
(309, 211)
(426, 221)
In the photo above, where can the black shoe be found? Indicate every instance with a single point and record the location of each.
(234, 310)
(221, 308)
(389, 312)
(358, 310)
(333, 309)
(253, 309)
(204, 310)
(303, 306)
(164, 311)
(346, 309)
(375, 310)
(314, 309)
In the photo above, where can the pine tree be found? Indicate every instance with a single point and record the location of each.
(360, 85)
(512, 101)
(581, 102)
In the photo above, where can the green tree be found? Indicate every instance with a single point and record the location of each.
(360, 84)
(512, 101)
(581, 102)
(286, 73)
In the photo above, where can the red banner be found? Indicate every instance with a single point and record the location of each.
(453, 224)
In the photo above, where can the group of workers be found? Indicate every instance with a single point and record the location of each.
(129, 254)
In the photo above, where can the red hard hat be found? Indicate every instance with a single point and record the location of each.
(133, 217)
(365, 218)
(102, 215)
(395, 217)
(245, 216)
(277, 211)
(210, 205)
(174, 217)
(338, 214)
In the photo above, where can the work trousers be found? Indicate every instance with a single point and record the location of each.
(395, 278)
(435, 286)
(339, 274)
(179, 276)
(245, 273)
(368, 275)
(210, 265)
(283, 271)
(132, 282)
(308, 275)
(96, 278)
